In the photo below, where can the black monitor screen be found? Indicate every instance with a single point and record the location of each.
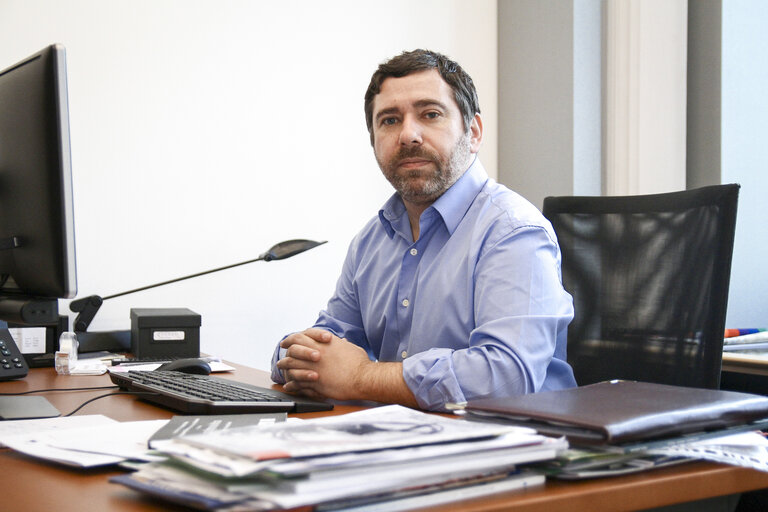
(37, 247)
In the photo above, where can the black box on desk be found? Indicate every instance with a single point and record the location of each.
(169, 332)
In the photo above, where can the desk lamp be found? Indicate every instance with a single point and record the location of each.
(87, 307)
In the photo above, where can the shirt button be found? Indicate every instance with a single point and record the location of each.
(404, 354)
(414, 252)
(405, 303)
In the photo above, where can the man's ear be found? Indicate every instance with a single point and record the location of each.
(476, 134)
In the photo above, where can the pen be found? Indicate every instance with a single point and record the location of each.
(730, 333)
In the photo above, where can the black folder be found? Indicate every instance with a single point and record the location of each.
(623, 412)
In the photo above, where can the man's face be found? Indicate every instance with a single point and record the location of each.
(419, 138)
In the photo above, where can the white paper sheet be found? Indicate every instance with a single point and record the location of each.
(16, 427)
(748, 449)
(97, 444)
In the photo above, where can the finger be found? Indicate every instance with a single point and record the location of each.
(289, 363)
(298, 340)
(286, 370)
(320, 335)
(293, 386)
(304, 390)
(303, 353)
(301, 376)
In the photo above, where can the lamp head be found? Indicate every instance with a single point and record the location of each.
(289, 248)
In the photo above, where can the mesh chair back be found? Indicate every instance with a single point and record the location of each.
(649, 276)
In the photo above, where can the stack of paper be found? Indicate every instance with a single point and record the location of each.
(388, 453)
(747, 449)
(593, 462)
(622, 427)
(753, 341)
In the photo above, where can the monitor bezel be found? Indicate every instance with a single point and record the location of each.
(57, 226)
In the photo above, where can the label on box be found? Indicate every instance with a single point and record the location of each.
(168, 336)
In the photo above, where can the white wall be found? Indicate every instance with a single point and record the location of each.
(728, 122)
(549, 97)
(744, 154)
(204, 131)
(592, 96)
(645, 96)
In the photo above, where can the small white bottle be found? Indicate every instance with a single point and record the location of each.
(66, 357)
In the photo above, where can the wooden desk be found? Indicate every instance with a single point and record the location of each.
(745, 372)
(32, 485)
(745, 363)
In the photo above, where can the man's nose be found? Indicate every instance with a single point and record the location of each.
(410, 132)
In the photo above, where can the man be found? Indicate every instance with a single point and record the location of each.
(453, 291)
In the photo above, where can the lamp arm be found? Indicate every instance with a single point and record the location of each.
(86, 308)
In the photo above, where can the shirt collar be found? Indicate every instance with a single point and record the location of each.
(451, 206)
(454, 203)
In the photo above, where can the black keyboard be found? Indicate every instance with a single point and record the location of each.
(204, 394)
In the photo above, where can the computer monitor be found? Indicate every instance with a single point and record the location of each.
(37, 241)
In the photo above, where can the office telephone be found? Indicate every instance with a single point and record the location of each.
(12, 362)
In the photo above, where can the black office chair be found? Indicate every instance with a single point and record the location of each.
(649, 276)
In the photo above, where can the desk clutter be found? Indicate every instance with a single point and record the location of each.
(395, 458)
(745, 340)
(620, 427)
(389, 454)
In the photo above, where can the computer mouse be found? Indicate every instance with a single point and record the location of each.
(189, 365)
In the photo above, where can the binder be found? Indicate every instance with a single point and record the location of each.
(622, 412)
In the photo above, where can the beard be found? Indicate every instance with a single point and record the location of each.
(420, 186)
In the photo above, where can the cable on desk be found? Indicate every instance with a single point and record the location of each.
(137, 393)
(57, 389)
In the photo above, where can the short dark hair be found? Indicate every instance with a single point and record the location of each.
(421, 60)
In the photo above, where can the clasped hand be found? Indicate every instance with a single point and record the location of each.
(319, 364)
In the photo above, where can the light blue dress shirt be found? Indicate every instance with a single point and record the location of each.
(475, 308)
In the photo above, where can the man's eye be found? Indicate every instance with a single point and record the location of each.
(432, 115)
(388, 121)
